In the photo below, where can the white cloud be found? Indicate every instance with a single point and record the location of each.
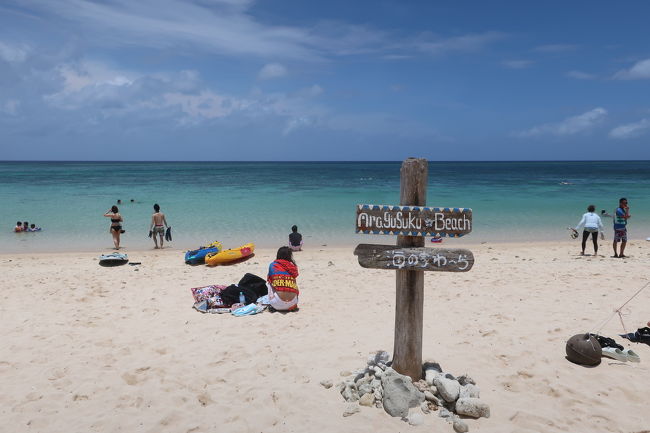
(311, 92)
(222, 26)
(579, 75)
(469, 42)
(517, 64)
(76, 77)
(13, 53)
(10, 107)
(229, 27)
(206, 104)
(569, 126)
(631, 130)
(639, 71)
(272, 70)
(87, 83)
(556, 48)
(296, 123)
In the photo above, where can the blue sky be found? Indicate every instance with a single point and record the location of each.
(336, 80)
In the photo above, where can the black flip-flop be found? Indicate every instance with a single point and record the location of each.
(642, 335)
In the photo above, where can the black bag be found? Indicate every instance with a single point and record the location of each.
(254, 283)
(230, 295)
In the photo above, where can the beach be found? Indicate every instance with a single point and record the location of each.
(87, 348)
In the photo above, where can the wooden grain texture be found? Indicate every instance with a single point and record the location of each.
(413, 220)
(409, 305)
(417, 259)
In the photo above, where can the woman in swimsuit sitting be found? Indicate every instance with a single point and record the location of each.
(116, 225)
(283, 290)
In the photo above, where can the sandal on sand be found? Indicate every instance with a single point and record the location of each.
(631, 356)
(642, 335)
(614, 353)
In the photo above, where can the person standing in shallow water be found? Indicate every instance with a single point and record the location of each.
(621, 216)
(158, 224)
(591, 225)
(116, 225)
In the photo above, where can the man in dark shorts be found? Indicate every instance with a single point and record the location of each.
(621, 216)
(158, 224)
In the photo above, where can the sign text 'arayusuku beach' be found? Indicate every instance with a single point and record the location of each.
(413, 220)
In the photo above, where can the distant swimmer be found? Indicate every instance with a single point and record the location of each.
(19, 227)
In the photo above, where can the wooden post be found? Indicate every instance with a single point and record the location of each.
(409, 308)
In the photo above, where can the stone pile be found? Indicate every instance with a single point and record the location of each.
(380, 386)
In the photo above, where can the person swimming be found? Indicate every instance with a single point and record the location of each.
(19, 227)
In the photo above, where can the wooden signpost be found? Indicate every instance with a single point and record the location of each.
(411, 222)
(415, 259)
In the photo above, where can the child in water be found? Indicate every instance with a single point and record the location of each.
(19, 227)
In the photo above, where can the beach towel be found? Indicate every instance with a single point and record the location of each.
(248, 310)
(282, 276)
(210, 294)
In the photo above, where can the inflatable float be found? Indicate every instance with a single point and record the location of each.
(113, 259)
(197, 256)
(230, 255)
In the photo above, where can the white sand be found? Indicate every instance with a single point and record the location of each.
(92, 349)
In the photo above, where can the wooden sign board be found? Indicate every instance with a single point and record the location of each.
(413, 220)
(414, 258)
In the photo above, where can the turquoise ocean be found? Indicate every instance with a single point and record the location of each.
(240, 202)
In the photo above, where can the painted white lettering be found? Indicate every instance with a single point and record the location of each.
(411, 222)
(462, 262)
(439, 221)
(398, 222)
(399, 260)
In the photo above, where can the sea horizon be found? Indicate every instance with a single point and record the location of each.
(288, 161)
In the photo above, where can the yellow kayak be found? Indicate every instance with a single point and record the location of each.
(230, 255)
